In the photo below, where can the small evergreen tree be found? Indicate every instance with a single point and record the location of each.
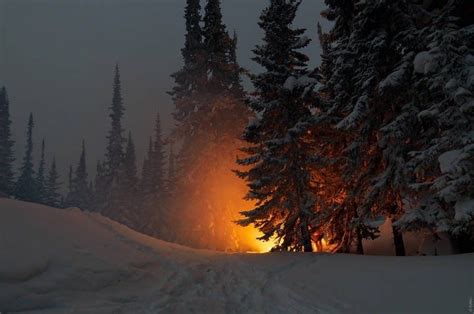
(129, 187)
(52, 186)
(146, 183)
(100, 187)
(41, 177)
(68, 201)
(80, 195)
(171, 181)
(153, 183)
(157, 162)
(6, 145)
(26, 186)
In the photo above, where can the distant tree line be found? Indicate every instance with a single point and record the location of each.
(116, 191)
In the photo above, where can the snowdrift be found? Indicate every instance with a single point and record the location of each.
(68, 261)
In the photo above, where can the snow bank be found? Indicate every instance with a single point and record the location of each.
(68, 261)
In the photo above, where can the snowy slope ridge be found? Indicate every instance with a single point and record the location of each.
(68, 261)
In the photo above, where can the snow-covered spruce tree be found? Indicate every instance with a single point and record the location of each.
(114, 155)
(366, 71)
(52, 186)
(6, 145)
(41, 176)
(441, 198)
(26, 185)
(386, 74)
(280, 155)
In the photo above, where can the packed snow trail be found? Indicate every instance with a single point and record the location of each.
(68, 261)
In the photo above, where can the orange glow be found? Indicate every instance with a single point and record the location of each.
(250, 235)
(228, 196)
(216, 198)
(216, 203)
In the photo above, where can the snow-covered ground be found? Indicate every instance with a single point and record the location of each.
(67, 261)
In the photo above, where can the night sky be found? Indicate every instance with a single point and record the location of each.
(57, 59)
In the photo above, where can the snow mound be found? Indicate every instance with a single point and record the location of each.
(68, 261)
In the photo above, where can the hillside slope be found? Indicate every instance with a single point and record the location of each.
(68, 261)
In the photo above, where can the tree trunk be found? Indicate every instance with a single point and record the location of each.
(464, 243)
(360, 246)
(306, 239)
(398, 240)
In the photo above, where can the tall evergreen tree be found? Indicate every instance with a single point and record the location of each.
(440, 167)
(395, 87)
(114, 155)
(280, 155)
(26, 186)
(358, 52)
(209, 130)
(115, 151)
(52, 186)
(6, 145)
(41, 176)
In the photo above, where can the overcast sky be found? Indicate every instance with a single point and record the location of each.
(57, 59)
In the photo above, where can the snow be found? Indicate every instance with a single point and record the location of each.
(68, 261)
(449, 160)
(302, 81)
(356, 114)
(464, 209)
(462, 96)
(290, 83)
(395, 78)
(427, 61)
